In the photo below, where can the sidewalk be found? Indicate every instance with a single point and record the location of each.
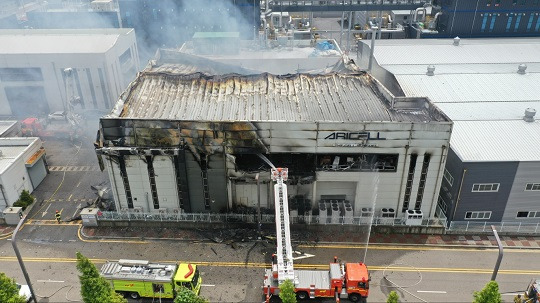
(240, 235)
(6, 231)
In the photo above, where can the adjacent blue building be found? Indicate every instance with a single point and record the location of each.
(487, 18)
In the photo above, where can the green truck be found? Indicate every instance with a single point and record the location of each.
(138, 278)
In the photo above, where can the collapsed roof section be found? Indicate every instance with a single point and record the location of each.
(184, 87)
(182, 99)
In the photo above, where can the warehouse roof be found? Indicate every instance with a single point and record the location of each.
(477, 85)
(12, 149)
(464, 88)
(264, 97)
(469, 51)
(5, 126)
(59, 41)
(490, 141)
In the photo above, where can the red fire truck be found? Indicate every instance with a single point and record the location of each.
(342, 280)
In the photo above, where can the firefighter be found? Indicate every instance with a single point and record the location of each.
(58, 216)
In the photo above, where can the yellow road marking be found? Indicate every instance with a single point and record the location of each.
(69, 199)
(300, 266)
(6, 236)
(455, 247)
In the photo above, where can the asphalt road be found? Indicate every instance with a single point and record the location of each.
(235, 275)
(418, 274)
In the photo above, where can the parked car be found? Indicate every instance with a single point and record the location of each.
(24, 291)
(58, 115)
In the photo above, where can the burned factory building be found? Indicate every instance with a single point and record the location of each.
(194, 135)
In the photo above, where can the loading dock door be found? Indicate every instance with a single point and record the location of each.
(326, 188)
(37, 172)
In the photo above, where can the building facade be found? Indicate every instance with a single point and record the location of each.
(22, 167)
(491, 95)
(180, 140)
(32, 79)
(487, 18)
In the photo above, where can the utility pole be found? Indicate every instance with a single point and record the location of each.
(19, 258)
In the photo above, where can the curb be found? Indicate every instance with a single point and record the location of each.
(463, 246)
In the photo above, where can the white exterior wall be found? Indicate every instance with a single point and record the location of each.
(166, 183)
(51, 66)
(246, 195)
(15, 178)
(520, 199)
(139, 182)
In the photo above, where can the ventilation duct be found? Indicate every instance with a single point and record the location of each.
(521, 69)
(430, 70)
(529, 115)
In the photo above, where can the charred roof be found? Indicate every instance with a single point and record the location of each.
(189, 91)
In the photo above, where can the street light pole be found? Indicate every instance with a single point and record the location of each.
(19, 258)
(499, 258)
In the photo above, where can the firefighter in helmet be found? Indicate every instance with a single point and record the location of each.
(58, 216)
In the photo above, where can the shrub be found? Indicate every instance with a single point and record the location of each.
(19, 203)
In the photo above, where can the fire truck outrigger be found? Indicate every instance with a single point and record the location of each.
(342, 280)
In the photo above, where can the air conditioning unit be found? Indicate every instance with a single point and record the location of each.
(336, 213)
(177, 211)
(348, 213)
(387, 216)
(163, 211)
(137, 210)
(323, 213)
(413, 217)
(124, 210)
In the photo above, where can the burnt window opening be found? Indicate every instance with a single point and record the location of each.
(301, 165)
(152, 177)
(408, 188)
(422, 184)
(358, 162)
(125, 180)
(204, 178)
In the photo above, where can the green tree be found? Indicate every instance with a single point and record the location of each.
(94, 288)
(286, 292)
(490, 294)
(186, 295)
(393, 297)
(9, 293)
(26, 197)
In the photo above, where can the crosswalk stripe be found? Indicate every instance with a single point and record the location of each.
(74, 168)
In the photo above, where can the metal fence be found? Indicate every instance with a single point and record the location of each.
(265, 218)
(485, 227)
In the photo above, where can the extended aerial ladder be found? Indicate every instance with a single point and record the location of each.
(284, 263)
(342, 280)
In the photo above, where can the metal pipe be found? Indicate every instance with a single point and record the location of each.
(349, 32)
(4, 194)
(373, 34)
(458, 195)
(499, 258)
(341, 32)
(19, 258)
